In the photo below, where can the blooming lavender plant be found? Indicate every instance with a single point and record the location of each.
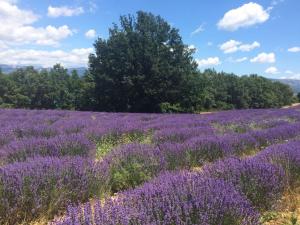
(285, 155)
(182, 198)
(62, 145)
(180, 141)
(45, 186)
(261, 182)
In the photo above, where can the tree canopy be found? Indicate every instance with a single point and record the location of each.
(142, 65)
(207, 90)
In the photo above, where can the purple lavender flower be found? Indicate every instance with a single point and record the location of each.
(61, 145)
(29, 189)
(285, 155)
(262, 183)
(182, 198)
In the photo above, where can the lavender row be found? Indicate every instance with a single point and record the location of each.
(24, 124)
(62, 145)
(16, 124)
(193, 144)
(183, 198)
(261, 182)
(39, 185)
(285, 155)
(130, 165)
(230, 191)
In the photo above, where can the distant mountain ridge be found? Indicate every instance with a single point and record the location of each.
(294, 84)
(10, 68)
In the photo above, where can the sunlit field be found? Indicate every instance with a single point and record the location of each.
(65, 167)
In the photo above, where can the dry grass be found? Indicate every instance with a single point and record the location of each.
(41, 221)
(288, 210)
(206, 112)
(291, 106)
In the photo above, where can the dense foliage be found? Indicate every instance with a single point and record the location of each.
(143, 66)
(207, 90)
(29, 88)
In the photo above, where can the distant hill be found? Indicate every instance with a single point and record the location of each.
(295, 84)
(11, 68)
(8, 68)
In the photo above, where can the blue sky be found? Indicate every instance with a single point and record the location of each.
(243, 37)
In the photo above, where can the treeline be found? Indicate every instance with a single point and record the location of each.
(143, 66)
(208, 90)
(214, 91)
(33, 89)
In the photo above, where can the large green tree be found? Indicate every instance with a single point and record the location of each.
(142, 66)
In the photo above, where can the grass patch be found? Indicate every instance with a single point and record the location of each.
(246, 127)
(109, 142)
(287, 212)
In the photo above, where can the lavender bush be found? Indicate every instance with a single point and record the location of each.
(285, 155)
(45, 186)
(182, 198)
(261, 182)
(62, 145)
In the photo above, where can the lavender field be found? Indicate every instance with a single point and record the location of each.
(88, 168)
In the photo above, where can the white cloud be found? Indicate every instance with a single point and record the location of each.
(289, 72)
(90, 33)
(49, 35)
(236, 60)
(241, 59)
(64, 11)
(11, 1)
(249, 47)
(264, 58)
(230, 46)
(211, 61)
(209, 43)
(198, 30)
(10, 13)
(295, 76)
(16, 27)
(234, 46)
(294, 49)
(75, 57)
(291, 75)
(272, 70)
(247, 15)
(2, 45)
